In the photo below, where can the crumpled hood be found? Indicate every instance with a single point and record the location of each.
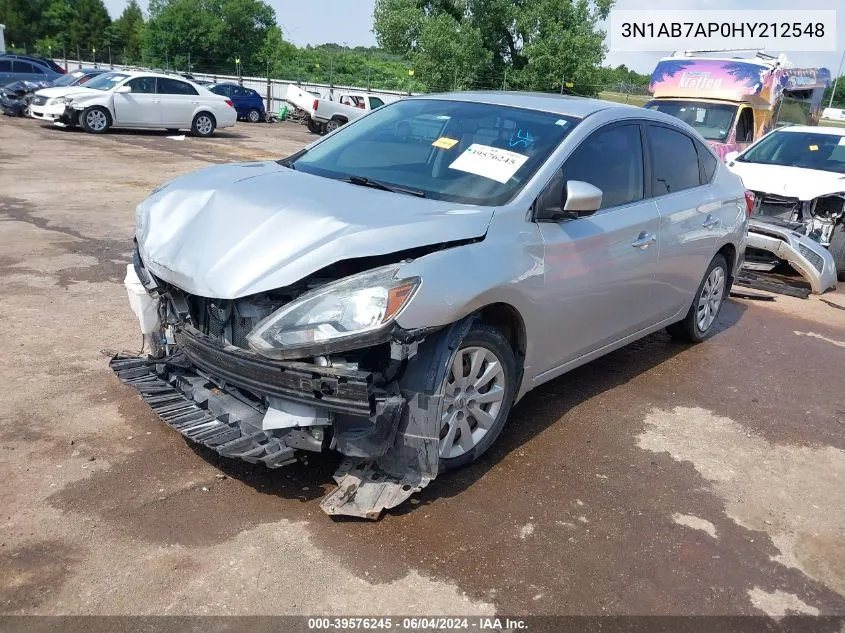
(234, 230)
(792, 182)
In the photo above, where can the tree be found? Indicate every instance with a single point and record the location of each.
(23, 22)
(212, 32)
(88, 24)
(127, 32)
(538, 43)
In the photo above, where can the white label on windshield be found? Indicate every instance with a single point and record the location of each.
(489, 162)
(842, 140)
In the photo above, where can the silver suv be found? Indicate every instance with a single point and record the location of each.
(390, 291)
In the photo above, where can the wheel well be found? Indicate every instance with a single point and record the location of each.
(506, 318)
(342, 119)
(729, 253)
(211, 114)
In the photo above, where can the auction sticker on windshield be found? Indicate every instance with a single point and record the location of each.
(489, 162)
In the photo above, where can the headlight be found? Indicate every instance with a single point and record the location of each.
(355, 311)
(65, 100)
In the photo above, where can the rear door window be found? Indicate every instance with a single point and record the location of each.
(5, 65)
(612, 160)
(674, 161)
(27, 67)
(706, 163)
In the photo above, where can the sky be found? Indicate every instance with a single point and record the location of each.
(350, 22)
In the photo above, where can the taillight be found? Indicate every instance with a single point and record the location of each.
(229, 103)
(749, 201)
(316, 101)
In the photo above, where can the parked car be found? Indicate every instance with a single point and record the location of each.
(27, 68)
(330, 115)
(390, 291)
(78, 77)
(248, 102)
(15, 97)
(137, 100)
(797, 174)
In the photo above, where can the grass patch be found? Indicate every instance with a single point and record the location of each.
(620, 97)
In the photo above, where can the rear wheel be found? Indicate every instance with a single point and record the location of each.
(332, 125)
(203, 124)
(700, 321)
(253, 116)
(95, 119)
(315, 127)
(837, 249)
(478, 392)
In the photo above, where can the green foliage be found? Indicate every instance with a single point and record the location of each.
(126, 34)
(529, 44)
(214, 33)
(839, 96)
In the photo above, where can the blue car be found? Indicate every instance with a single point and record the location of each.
(27, 68)
(248, 104)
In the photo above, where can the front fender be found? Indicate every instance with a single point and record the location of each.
(459, 281)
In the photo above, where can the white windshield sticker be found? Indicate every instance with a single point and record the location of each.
(489, 162)
(842, 140)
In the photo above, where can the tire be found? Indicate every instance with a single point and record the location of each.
(203, 124)
(837, 249)
(315, 127)
(482, 346)
(95, 120)
(332, 125)
(253, 116)
(699, 323)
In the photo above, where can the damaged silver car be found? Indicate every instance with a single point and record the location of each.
(390, 291)
(797, 174)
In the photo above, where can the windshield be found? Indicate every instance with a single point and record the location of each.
(463, 152)
(810, 150)
(66, 80)
(106, 81)
(712, 120)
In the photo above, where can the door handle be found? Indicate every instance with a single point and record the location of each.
(195, 102)
(154, 100)
(711, 222)
(644, 240)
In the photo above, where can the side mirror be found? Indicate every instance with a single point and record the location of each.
(731, 156)
(568, 201)
(582, 198)
(124, 90)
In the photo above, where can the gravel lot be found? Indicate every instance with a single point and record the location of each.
(662, 479)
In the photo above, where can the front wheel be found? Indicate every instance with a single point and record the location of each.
(478, 393)
(203, 124)
(700, 321)
(837, 249)
(95, 120)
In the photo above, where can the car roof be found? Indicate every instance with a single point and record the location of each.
(815, 129)
(578, 107)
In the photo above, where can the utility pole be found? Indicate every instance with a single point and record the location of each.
(94, 55)
(836, 81)
(64, 55)
(189, 62)
(110, 62)
(78, 57)
(562, 84)
(166, 61)
(505, 80)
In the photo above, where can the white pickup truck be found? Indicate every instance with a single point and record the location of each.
(330, 115)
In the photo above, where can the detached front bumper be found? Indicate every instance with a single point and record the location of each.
(808, 257)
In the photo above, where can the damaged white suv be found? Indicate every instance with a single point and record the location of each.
(391, 290)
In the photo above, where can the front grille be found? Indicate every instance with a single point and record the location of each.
(38, 101)
(226, 320)
(814, 258)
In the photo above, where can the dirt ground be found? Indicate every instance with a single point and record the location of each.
(661, 479)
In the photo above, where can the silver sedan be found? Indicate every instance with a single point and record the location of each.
(392, 290)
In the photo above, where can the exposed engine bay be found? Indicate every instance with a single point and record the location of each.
(803, 233)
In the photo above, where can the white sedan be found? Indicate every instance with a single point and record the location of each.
(135, 100)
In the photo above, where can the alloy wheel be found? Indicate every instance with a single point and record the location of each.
(710, 299)
(204, 125)
(473, 395)
(96, 120)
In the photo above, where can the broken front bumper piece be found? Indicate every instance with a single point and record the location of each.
(808, 257)
(206, 391)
